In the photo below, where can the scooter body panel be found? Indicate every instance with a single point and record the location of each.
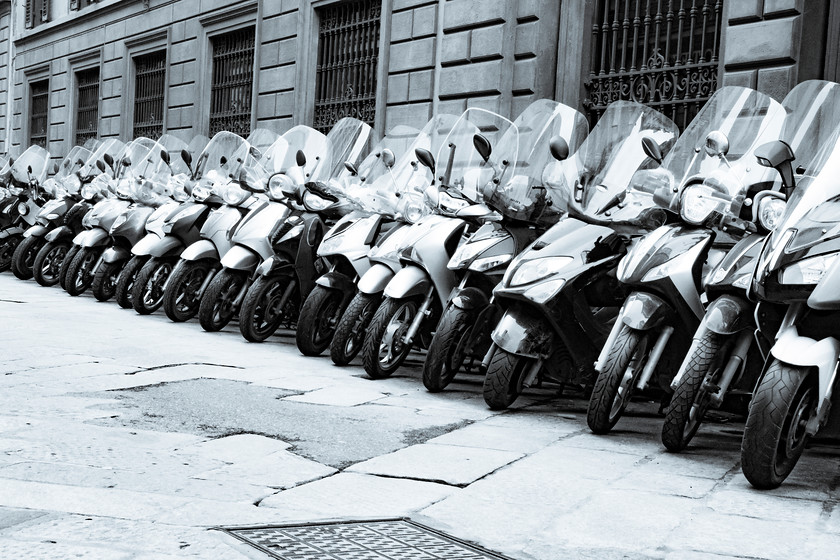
(116, 254)
(644, 311)
(241, 257)
(376, 279)
(217, 228)
(728, 315)
(803, 351)
(350, 239)
(201, 249)
(254, 230)
(93, 238)
(133, 229)
(524, 333)
(166, 246)
(36, 231)
(410, 281)
(59, 233)
(337, 281)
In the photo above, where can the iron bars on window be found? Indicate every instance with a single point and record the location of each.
(87, 108)
(233, 77)
(149, 83)
(39, 108)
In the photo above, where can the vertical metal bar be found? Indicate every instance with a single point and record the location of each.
(716, 47)
(604, 34)
(692, 18)
(669, 19)
(637, 22)
(625, 26)
(614, 27)
(705, 11)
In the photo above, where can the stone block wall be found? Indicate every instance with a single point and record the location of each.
(4, 72)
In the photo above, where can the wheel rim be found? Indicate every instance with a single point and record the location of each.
(29, 257)
(189, 291)
(795, 434)
(460, 351)
(268, 312)
(357, 333)
(327, 320)
(392, 348)
(628, 381)
(53, 260)
(7, 250)
(224, 308)
(82, 278)
(153, 294)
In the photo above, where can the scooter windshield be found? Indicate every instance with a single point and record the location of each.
(223, 154)
(261, 139)
(71, 162)
(595, 183)
(349, 140)
(312, 143)
(31, 165)
(111, 146)
(522, 196)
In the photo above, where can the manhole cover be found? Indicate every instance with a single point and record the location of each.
(390, 539)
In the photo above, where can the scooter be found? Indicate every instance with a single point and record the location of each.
(724, 361)
(663, 271)
(544, 129)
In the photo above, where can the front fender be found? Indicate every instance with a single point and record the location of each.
(728, 315)
(201, 249)
(36, 231)
(143, 247)
(643, 311)
(241, 258)
(60, 232)
(93, 237)
(272, 265)
(8, 232)
(410, 281)
(524, 334)
(337, 281)
(375, 279)
(803, 351)
(115, 254)
(470, 298)
(167, 245)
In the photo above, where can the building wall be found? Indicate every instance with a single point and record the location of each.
(5, 19)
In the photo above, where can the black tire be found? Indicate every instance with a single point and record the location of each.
(65, 265)
(217, 303)
(774, 435)
(350, 332)
(24, 256)
(7, 251)
(50, 261)
(104, 284)
(125, 281)
(503, 381)
(183, 296)
(446, 352)
(612, 391)
(690, 400)
(263, 309)
(147, 292)
(319, 316)
(80, 272)
(387, 327)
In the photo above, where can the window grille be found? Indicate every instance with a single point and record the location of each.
(348, 51)
(149, 82)
(233, 78)
(79, 4)
(39, 108)
(37, 12)
(663, 54)
(87, 109)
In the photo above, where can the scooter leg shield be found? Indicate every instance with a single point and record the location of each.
(240, 258)
(8, 232)
(801, 351)
(202, 249)
(524, 333)
(643, 311)
(375, 279)
(727, 315)
(408, 282)
(337, 281)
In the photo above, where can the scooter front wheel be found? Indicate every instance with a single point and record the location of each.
(147, 293)
(218, 303)
(351, 329)
(125, 281)
(24, 256)
(448, 348)
(49, 262)
(617, 380)
(384, 349)
(775, 433)
(270, 301)
(691, 400)
(80, 273)
(503, 381)
(65, 265)
(183, 293)
(105, 280)
(318, 318)
(7, 251)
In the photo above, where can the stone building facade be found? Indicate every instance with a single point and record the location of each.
(105, 68)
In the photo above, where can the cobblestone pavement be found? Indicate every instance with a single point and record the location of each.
(130, 437)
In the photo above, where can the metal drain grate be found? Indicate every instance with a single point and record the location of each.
(389, 539)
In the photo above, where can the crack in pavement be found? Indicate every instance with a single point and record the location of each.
(165, 366)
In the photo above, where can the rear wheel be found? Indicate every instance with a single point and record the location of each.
(617, 379)
(217, 306)
(49, 262)
(125, 281)
(147, 293)
(7, 251)
(448, 348)
(81, 270)
(24, 256)
(65, 265)
(384, 349)
(183, 294)
(350, 332)
(268, 303)
(105, 280)
(775, 434)
(503, 382)
(318, 318)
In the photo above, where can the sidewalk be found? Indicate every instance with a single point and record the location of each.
(127, 437)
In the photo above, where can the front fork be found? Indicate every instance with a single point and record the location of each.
(424, 311)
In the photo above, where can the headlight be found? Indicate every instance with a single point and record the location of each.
(545, 291)
(314, 202)
(23, 209)
(88, 191)
(279, 186)
(90, 220)
(770, 212)
(809, 271)
(200, 193)
(743, 282)
(235, 195)
(486, 263)
(121, 219)
(699, 201)
(451, 204)
(72, 183)
(533, 270)
(411, 207)
(468, 252)
(124, 188)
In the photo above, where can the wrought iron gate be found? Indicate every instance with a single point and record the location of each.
(39, 108)
(348, 52)
(87, 109)
(233, 77)
(663, 53)
(149, 81)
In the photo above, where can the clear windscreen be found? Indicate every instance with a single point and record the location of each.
(135, 157)
(592, 183)
(349, 140)
(32, 164)
(520, 193)
(71, 162)
(813, 114)
(312, 143)
(223, 154)
(110, 146)
(276, 157)
(261, 139)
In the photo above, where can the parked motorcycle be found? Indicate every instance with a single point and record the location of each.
(519, 196)
(723, 361)
(663, 272)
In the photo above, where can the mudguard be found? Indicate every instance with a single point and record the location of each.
(116, 254)
(273, 264)
(728, 315)
(8, 232)
(410, 281)
(93, 238)
(375, 279)
(337, 281)
(803, 351)
(524, 334)
(36, 231)
(167, 245)
(643, 311)
(143, 248)
(241, 258)
(470, 298)
(201, 249)
(60, 232)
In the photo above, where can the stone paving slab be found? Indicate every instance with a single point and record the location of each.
(280, 469)
(339, 396)
(238, 448)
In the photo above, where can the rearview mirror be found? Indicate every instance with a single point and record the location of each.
(187, 157)
(425, 157)
(164, 155)
(349, 166)
(651, 149)
(108, 160)
(482, 146)
(54, 168)
(717, 144)
(300, 158)
(100, 165)
(778, 155)
(126, 161)
(559, 148)
(388, 158)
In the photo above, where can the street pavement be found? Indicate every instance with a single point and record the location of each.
(130, 437)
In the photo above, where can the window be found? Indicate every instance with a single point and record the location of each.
(87, 108)
(79, 4)
(348, 51)
(39, 108)
(149, 82)
(37, 12)
(663, 54)
(233, 77)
